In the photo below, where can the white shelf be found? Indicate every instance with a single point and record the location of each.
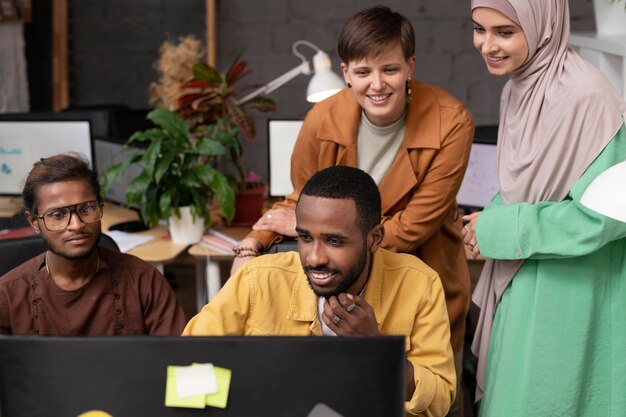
(606, 52)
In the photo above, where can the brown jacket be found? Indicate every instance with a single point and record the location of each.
(419, 190)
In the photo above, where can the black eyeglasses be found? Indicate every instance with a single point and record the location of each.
(57, 219)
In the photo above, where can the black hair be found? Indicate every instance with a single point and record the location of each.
(341, 182)
(63, 167)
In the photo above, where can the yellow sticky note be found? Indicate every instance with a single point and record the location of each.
(220, 399)
(171, 393)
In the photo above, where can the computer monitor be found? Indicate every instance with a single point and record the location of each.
(480, 183)
(22, 143)
(271, 376)
(107, 152)
(282, 135)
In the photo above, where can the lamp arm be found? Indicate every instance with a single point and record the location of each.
(303, 68)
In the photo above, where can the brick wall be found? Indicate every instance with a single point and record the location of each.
(115, 42)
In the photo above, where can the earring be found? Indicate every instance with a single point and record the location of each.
(349, 85)
(407, 87)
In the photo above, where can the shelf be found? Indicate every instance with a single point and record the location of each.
(615, 45)
(606, 52)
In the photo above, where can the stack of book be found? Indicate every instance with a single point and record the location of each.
(219, 242)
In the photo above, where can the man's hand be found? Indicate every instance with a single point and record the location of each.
(350, 315)
(278, 220)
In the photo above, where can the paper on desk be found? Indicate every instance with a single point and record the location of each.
(219, 399)
(171, 393)
(195, 380)
(127, 241)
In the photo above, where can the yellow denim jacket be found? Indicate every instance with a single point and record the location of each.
(270, 295)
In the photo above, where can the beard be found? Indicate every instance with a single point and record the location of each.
(71, 256)
(349, 277)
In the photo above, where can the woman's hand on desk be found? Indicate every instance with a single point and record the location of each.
(248, 248)
(469, 233)
(278, 220)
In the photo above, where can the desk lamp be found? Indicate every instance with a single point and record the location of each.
(607, 193)
(324, 83)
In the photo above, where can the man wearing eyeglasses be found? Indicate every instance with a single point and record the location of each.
(75, 287)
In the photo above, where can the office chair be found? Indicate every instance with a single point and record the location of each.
(14, 252)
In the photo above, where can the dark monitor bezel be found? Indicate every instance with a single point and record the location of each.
(271, 376)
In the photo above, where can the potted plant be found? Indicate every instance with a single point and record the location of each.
(198, 121)
(204, 97)
(178, 179)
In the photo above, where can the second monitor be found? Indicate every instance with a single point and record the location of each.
(24, 142)
(282, 135)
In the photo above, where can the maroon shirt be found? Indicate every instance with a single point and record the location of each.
(126, 297)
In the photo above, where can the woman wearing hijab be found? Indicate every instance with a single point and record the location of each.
(553, 293)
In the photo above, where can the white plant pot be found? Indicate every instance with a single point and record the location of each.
(184, 230)
(610, 17)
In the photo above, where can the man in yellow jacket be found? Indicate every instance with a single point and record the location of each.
(342, 283)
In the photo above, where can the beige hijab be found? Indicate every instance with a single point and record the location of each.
(557, 113)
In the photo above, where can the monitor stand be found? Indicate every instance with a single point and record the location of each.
(130, 226)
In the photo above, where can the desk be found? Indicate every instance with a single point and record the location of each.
(158, 251)
(208, 268)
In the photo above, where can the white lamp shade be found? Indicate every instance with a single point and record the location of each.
(607, 193)
(324, 82)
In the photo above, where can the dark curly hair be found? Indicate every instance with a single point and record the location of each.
(341, 182)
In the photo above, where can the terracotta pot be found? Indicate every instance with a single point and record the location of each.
(249, 205)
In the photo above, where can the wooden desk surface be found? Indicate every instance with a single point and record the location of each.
(159, 250)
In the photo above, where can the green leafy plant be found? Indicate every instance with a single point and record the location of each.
(198, 121)
(177, 168)
(211, 98)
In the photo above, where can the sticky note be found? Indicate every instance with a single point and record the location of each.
(195, 380)
(220, 399)
(171, 393)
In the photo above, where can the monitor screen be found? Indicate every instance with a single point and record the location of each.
(480, 183)
(108, 152)
(282, 136)
(22, 143)
(271, 376)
